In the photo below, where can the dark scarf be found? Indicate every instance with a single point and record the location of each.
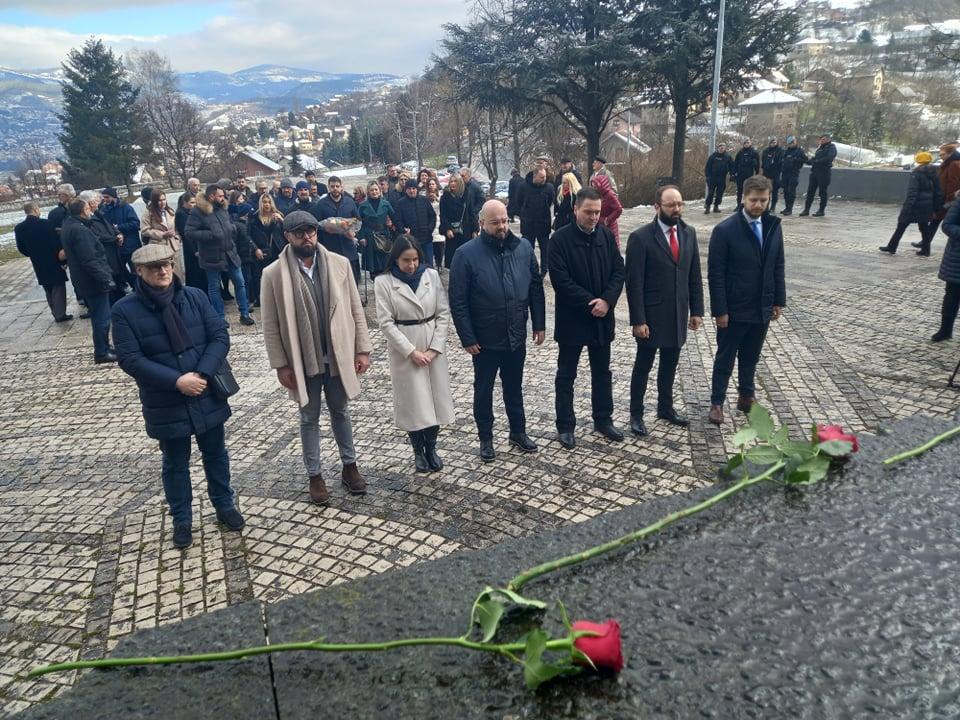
(163, 299)
(411, 279)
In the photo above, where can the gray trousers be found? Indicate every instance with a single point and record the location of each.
(57, 299)
(337, 404)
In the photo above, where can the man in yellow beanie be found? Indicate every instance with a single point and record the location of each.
(924, 199)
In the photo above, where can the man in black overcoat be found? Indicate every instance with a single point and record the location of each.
(586, 271)
(39, 240)
(820, 165)
(745, 271)
(719, 165)
(746, 164)
(665, 295)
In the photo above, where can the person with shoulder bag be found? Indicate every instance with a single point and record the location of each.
(414, 317)
(174, 344)
(378, 225)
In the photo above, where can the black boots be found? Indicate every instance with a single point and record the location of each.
(424, 444)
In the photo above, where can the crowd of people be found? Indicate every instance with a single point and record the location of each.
(292, 252)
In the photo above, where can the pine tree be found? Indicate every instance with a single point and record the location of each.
(355, 149)
(99, 133)
(878, 130)
(842, 131)
(291, 119)
(295, 167)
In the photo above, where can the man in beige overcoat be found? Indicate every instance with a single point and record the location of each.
(316, 337)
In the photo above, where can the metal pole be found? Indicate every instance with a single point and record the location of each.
(416, 137)
(717, 62)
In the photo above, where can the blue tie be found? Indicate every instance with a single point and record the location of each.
(758, 231)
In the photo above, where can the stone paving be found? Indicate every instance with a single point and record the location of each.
(85, 553)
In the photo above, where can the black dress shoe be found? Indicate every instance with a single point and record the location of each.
(182, 536)
(940, 336)
(638, 427)
(486, 450)
(804, 213)
(609, 432)
(65, 318)
(521, 441)
(102, 359)
(886, 249)
(567, 440)
(923, 253)
(246, 320)
(84, 316)
(673, 417)
(916, 245)
(819, 213)
(232, 518)
(786, 212)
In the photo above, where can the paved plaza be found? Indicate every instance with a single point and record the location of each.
(85, 551)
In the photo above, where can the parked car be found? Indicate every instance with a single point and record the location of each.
(503, 190)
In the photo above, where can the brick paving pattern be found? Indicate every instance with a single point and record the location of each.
(85, 552)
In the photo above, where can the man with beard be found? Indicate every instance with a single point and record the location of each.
(317, 188)
(771, 163)
(337, 204)
(65, 193)
(820, 165)
(393, 177)
(286, 200)
(586, 271)
(794, 158)
(209, 230)
(746, 164)
(534, 202)
(316, 338)
(664, 289)
(303, 201)
(494, 284)
(745, 272)
(123, 217)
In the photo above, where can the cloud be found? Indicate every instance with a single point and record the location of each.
(385, 36)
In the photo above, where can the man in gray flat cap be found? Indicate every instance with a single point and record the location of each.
(316, 338)
(173, 343)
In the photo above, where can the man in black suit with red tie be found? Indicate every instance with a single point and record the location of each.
(745, 271)
(665, 295)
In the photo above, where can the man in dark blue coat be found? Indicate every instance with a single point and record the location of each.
(745, 270)
(286, 199)
(745, 164)
(334, 204)
(794, 158)
(39, 240)
(820, 165)
(418, 218)
(535, 200)
(173, 343)
(125, 218)
(586, 272)
(771, 162)
(494, 284)
(90, 274)
(665, 294)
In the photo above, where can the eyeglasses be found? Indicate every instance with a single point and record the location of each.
(304, 234)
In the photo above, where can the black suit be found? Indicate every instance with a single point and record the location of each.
(662, 294)
(39, 240)
(746, 283)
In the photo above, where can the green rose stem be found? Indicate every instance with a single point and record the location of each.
(523, 578)
(923, 448)
(508, 650)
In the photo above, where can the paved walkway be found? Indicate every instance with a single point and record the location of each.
(85, 554)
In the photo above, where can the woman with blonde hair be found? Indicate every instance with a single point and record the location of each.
(566, 196)
(378, 226)
(161, 230)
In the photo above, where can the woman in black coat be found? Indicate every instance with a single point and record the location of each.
(458, 221)
(950, 274)
(924, 199)
(172, 342)
(196, 277)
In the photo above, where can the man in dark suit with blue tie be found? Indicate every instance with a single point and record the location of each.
(665, 294)
(745, 271)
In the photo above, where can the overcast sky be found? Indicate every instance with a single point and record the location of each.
(392, 36)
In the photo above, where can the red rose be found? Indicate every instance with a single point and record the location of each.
(826, 433)
(603, 649)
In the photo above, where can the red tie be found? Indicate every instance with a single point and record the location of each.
(674, 246)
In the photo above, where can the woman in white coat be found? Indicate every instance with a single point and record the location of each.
(413, 315)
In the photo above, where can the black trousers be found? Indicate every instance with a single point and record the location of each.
(538, 233)
(438, 248)
(740, 182)
(775, 182)
(932, 227)
(666, 373)
(742, 342)
(789, 185)
(56, 299)
(601, 384)
(951, 305)
(486, 365)
(819, 182)
(926, 236)
(715, 190)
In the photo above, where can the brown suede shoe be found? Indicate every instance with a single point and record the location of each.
(353, 480)
(318, 489)
(716, 414)
(744, 404)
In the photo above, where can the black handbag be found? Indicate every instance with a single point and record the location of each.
(224, 384)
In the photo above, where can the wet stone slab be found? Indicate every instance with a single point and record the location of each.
(239, 690)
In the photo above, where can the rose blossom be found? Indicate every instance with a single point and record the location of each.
(603, 649)
(826, 433)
